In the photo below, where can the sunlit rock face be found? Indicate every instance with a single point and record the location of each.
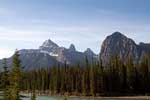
(122, 46)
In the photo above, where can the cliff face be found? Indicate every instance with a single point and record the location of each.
(122, 46)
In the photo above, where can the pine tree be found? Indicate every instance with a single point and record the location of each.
(123, 78)
(144, 70)
(5, 81)
(130, 73)
(92, 81)
(85, 77)
(99, 78)
(15, 77)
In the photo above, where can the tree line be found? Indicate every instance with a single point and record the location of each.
(91, 79)
(116, 78)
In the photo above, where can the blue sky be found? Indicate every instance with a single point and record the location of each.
(85, 23)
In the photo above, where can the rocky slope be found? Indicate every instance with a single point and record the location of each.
(50, 54)
(122, 46)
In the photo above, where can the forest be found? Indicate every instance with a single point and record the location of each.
(114, 79)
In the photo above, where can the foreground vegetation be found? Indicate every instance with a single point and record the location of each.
(116, 78)
(10, 80)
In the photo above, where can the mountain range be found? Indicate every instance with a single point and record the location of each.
(50, 54)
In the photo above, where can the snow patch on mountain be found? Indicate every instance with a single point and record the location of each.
(50, 53)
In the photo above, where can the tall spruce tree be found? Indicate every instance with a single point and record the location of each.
(92, 81)
(15, 77)
(100, 87)
(145, 73)
(5, 81)
(130, 73)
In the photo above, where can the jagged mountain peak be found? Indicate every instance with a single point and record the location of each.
(50, 54)
(88, 51)
(72, 47)
(49, 46)
(49, 43)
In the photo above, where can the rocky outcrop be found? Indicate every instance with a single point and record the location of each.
(90, 53)
(122, 46)
(72, 47)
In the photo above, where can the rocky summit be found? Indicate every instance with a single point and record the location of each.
(120, 45)
(50, 54)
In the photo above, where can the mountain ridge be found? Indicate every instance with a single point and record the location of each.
(50, 54)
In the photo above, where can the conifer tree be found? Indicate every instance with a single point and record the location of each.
(145, 74)
(130, 73)
(15, 77)
(5, 81)
(100, 86)
(92, 81)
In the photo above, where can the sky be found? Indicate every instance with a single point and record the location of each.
(26, 24)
